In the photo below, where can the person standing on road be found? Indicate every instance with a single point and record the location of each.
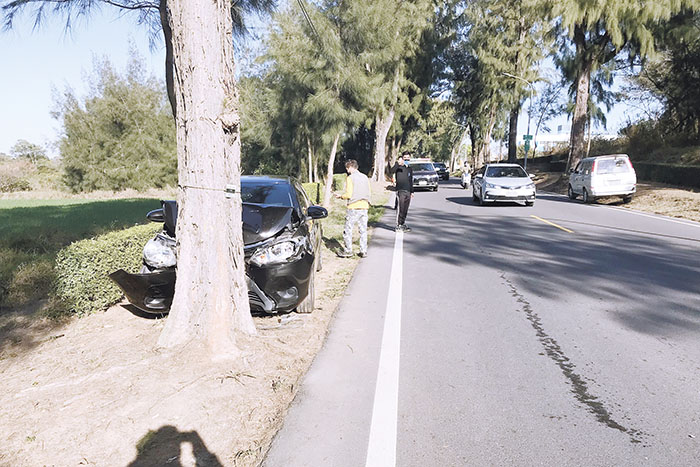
(357, 193)
(403, 181)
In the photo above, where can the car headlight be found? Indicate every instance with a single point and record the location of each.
(282, 251)
(490, 185)
(159, 252)
(530, 185)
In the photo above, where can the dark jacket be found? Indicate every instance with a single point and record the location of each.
(404, 177)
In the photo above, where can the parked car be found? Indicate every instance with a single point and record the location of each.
(602, 176)
(441, 170)
(282, 247)
(424, 176)
(503, 182)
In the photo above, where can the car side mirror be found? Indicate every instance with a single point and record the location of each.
(532, 176)
(571, 170)
(478, 176)
(157, 215)
(316, 212)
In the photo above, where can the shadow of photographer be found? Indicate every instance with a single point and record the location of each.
(171, 447)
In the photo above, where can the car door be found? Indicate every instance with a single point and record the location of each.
(576, 178)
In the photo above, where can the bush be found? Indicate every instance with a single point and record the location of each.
(339, 181)
(314, 191)
(682, 175)
(82, 267)
(10, 183)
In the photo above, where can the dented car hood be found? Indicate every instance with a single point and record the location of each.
(263, 222)
(260, 222)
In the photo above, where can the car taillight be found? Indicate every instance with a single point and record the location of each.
(629, 163)
(595, 166)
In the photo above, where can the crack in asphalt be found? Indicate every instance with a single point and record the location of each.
(579, 386)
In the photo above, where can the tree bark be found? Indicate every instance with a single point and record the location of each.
(513, 134)
(577, 147)
(487, 137)
(211, 299)
(329, 173)
(169, 59)
(381, 130)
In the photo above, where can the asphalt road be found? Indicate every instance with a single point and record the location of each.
(561, 334)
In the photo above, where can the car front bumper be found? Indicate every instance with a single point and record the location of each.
(275, 288)
(505, 195)
(425, 184)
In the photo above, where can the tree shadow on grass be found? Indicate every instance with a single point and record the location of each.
(165, 447)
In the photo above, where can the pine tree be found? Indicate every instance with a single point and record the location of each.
(601, 31)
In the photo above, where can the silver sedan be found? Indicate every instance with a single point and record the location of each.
(503, 182)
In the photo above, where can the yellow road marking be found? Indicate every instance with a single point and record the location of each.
(553, 224)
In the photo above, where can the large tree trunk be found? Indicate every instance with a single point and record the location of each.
(513, 134)
(577, 148)
(169, 59)
(329, 173)
(381, 130)
(487, 137)
(211, 299)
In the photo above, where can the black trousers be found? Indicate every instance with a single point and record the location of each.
(403, 198)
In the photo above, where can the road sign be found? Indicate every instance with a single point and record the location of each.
(527, 145)
(527, 137)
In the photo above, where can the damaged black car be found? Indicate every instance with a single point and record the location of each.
(282, 245)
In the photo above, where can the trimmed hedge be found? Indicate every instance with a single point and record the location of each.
(82, 267)
(682, 175)
(339, 181)
(314, 191)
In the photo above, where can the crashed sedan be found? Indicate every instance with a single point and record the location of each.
(282, 247)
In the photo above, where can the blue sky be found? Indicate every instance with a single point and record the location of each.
(35, 61)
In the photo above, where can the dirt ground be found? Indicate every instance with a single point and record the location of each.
(97, 390)
(651, 197)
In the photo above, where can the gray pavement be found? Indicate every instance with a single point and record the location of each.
(521, 343)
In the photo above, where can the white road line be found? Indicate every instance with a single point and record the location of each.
(381, 449)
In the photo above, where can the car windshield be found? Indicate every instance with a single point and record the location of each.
(612, 166)
(513, 172)
(271, 194)
(423, 166)
(439, 166)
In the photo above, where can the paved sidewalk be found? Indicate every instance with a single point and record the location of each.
(329, 421)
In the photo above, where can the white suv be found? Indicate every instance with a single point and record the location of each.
(601, 176)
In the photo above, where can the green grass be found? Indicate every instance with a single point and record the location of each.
(33, 231)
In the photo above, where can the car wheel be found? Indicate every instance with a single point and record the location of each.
(626, 199)
(571, 193)
(586, 198)
(474, 197)
(307, 305)
(481, 200)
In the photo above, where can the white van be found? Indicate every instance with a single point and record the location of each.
(601, 176)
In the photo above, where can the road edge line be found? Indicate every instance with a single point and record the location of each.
(381, 448)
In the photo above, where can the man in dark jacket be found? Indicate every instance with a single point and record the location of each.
(403, 181)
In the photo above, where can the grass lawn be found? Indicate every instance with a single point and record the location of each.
(33, 231)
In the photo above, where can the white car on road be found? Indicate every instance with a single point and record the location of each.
(600, 176)
(503, 182)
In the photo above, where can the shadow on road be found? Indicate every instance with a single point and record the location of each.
(645, 281)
